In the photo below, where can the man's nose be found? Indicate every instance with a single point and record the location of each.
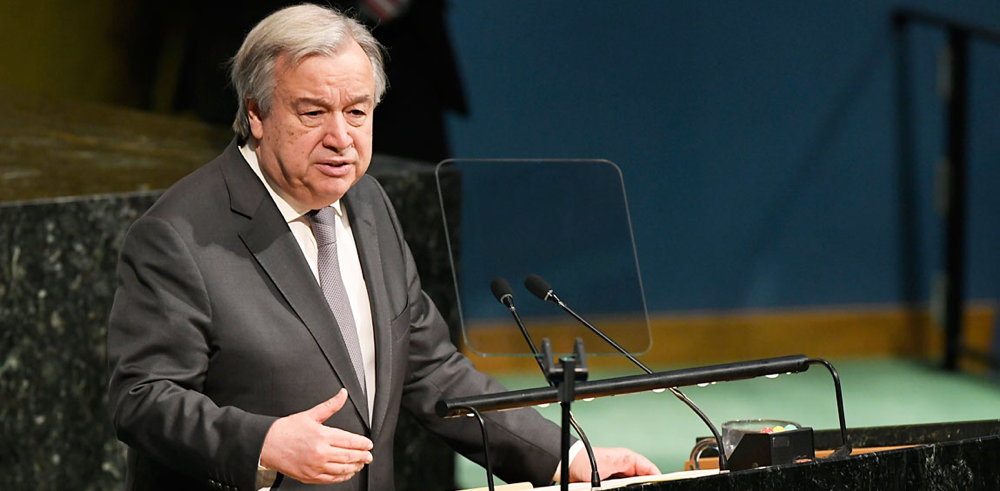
(336, 135)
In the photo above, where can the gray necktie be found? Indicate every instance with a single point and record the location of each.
(324, 228)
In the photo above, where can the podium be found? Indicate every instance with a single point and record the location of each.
(961, 455)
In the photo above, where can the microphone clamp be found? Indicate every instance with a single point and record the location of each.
(508, 301)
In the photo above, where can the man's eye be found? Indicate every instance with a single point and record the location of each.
(312, 113)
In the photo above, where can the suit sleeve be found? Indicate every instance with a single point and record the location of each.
(159, 346)
(524, 446)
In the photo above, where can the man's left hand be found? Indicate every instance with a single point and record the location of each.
(611, 462)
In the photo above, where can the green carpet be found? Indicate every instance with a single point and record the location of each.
(877, 392)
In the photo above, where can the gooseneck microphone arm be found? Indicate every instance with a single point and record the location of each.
(503, 293)
(541, 289)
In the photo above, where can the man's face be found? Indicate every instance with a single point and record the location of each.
(316, 140)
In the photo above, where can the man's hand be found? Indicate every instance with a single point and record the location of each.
(301, 447)
(611, 462)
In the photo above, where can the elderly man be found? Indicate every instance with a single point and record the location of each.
(269, 322)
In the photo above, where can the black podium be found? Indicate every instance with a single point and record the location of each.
(959, 456)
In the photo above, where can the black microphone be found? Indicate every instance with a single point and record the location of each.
(541, 289)
(501, 290)
(503, 293)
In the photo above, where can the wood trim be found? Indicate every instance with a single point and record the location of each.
(704, 338)
(713, 462)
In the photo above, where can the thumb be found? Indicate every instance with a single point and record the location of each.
(322, 411)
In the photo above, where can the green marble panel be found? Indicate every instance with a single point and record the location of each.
(57, 263)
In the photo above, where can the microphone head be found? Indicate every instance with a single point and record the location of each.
(501, 290)
(538, 287)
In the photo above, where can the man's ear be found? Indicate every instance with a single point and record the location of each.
(256, 119)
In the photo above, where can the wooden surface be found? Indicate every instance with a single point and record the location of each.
(713, 462)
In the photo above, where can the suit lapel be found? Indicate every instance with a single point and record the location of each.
(272, 244)
(362, 219)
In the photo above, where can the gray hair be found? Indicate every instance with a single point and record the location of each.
(298, 31)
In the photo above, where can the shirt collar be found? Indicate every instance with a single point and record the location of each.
(289, 208)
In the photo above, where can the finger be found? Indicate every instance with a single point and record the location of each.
(347, 456)
(330, 472)
(335, 469)
(322, 411)
(643, 467)
(626, 463)
(326, 478)
(337, 437)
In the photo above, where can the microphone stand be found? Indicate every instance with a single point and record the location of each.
(595, 476)
(570, 370)
(540, 288)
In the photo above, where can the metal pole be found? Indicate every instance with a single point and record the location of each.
(956, 103)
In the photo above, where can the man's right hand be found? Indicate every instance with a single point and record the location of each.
(301, 447)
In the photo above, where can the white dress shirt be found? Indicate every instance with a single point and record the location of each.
(347, 255)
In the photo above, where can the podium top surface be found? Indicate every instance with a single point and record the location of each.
(57, 147)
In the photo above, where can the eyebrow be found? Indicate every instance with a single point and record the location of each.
(358, 99)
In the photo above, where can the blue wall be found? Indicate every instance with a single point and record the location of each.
(757, 139)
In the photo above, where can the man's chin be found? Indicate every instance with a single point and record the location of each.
(326, 197)
(326, 191)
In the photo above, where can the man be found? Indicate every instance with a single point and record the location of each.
(269, 322)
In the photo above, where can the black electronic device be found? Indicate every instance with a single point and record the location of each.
(765, 449)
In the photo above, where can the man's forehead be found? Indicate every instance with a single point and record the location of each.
(286, 61)
(311, 77)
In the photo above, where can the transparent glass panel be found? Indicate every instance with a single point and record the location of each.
(564, 220)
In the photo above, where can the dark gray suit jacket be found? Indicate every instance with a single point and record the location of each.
(219, 327)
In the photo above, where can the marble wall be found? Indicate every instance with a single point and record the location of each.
(57, 263)
(57, 281)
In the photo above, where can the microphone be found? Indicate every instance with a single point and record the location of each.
(501, 290)
(541, 289)
(503, 293)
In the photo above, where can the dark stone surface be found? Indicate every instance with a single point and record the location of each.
(957, 456)
(57, 281)
(960, 465)
(888, 436)
(891, 436)
(57, 262)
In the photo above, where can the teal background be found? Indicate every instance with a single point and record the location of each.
(757, 139)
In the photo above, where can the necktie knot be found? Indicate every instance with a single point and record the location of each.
(324, 225)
